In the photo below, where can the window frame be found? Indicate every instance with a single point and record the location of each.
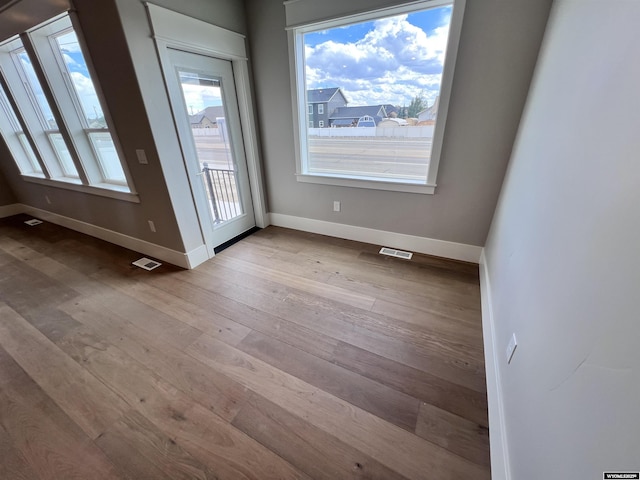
(299, 95)
(46, 59)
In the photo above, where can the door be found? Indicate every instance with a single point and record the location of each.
(205, 107)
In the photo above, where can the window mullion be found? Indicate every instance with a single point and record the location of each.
(63, 130)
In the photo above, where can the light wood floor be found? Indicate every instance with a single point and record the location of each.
(289, 355)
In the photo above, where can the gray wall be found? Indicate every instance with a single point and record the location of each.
(562, 254)
(498, 50)
(119, 40)
(6, 194)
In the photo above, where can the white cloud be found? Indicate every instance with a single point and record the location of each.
(87, 94)
(392, 63)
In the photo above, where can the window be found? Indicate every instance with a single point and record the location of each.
(393, 67)
(310, 109)
(52, 117)
(321, 123)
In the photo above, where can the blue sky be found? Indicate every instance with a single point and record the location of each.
(390, 60)
(79, 73)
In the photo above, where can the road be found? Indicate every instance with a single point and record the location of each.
(401, 157)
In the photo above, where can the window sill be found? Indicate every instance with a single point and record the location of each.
(116, 192)
(421, 188)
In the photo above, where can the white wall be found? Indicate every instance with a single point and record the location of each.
(562, 253)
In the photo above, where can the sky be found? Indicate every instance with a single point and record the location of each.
(77, 67)
(387, 61)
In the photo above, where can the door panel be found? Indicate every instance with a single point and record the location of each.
(205, 107)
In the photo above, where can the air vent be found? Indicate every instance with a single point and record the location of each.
(146, 264)
(396, 253)
(33, 222)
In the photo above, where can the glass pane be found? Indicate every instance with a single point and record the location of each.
(376, 85)
(17, 130)
(60, 147)
(29, 151)
(204, 101)
(49, 122)
(108, 157)
(81, 79)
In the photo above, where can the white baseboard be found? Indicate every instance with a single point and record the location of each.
(428, 246)
(181, 259)
(500, 465)
(9, 210)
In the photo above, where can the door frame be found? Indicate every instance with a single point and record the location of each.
(175, 30)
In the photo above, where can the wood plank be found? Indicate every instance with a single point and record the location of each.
(422, 385)
(142, 451)
(13, 465)
(18, 282)
(79, 394)
(397, 340)
(212, 390)
(305, 446)
(51, 444)
(321, 289)
(375, 437)
(456, 434)
(208, 438)
(257, 319)
(105, 298)
(387, 403)
(221, 327)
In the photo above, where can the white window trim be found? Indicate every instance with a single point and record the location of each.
(171, 29)
(320, 109)
(321, 124)
(296, 60)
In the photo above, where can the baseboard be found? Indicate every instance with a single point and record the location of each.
(428, 246)
(181, 259)
(10, 210)
(500, 466)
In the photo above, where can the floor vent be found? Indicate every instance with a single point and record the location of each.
(146, 264)
(396, 253)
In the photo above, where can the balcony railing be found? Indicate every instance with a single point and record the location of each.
(222, 189)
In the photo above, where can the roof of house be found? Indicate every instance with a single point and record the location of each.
(321, 95)
(213, 112)
(390, 108)
(357, 112)
(196, 119)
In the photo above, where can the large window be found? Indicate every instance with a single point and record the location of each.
(383, 79)
(52, 116)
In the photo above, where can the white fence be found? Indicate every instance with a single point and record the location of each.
(205, 132)
(425, 131)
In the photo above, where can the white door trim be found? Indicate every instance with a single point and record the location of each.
(174, 30)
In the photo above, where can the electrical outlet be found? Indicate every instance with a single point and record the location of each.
(152, 226)
(142, 157)
(511, 348)
(336, 206)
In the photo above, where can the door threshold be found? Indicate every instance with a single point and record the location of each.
(236, 239)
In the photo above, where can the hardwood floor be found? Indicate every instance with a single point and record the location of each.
(287, 356)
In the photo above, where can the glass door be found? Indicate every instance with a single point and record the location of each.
(206, 110)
